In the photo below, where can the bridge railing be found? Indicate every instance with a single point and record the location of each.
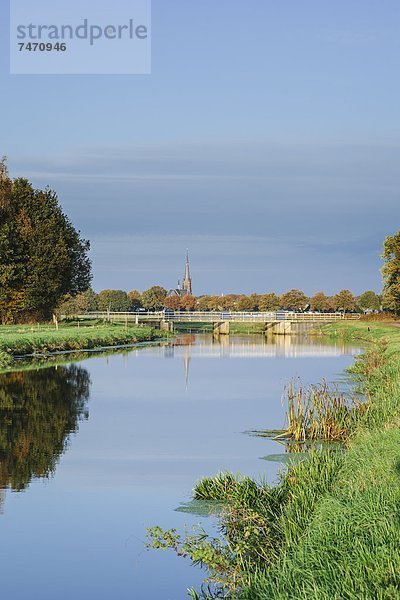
(214, 316)
(257, 316)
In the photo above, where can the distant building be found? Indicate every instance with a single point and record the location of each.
(186, 288)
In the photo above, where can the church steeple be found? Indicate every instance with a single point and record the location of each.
(187, 281)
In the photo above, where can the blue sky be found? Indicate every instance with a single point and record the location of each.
(266, 140)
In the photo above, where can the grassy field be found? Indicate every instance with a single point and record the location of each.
(21, 340)
(330, 529)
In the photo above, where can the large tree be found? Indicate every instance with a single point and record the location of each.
(114, 300)
(78, 304)
(344, 301)
(154, 297)
(188, 302)
(42, 256)
(135, 298)
(321, 302)
(268, 302)
(294, 300)
(173, 302)
(369, 301)
(391, 273)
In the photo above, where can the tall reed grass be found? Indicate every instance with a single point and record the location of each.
(320, 413)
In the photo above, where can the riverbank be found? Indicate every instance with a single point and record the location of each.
(25, 340)
(330, 528)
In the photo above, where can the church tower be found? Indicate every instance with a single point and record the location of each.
(187, 281)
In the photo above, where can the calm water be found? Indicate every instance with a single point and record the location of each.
(145, 426)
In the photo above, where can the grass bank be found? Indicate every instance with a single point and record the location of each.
(22, 340)
(330, 529)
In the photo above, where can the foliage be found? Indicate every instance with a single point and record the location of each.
(154, 297)
(173, 302)
(344, 301)
(268, 302)
(245, 304)
(42, 256)
(135, 299)
(369, 301)
(391, 273)
(91, 300)
(114, 301)
(188, 302)
(294, 300)
(321, 302)
(74, 305)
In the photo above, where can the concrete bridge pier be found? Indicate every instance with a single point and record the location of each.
(222, 328)
(283, 328)
(278, 328)
(167, 326)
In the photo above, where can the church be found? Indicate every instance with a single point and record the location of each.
(186, 288)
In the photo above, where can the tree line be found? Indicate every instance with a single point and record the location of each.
(156, 298)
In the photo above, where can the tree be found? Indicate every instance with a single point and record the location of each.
(369, 301)
(114, 300)
(344, 301)
(135, 298)
(78, 304)
(228, 302)
(216, 302)
(173, 302)
(245, 304)
(72, 305)
(268, 302)
(391, 273)
(154, 297)
(42, 256)
(321, 302)
(91, 300)
(255, 300)
(294, 300)
(188, 302)
(203, 303)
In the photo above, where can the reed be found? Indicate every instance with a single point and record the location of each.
(320, 413)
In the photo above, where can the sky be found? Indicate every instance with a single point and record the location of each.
(266, 140)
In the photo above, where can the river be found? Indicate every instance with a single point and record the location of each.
(92, 453)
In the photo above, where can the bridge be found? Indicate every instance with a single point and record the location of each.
(277, 322)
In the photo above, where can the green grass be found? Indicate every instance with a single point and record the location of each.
(44, 339)
(330, 529)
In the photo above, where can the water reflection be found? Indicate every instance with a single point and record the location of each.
(38, 411)
(236, 346)
(191, 347)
